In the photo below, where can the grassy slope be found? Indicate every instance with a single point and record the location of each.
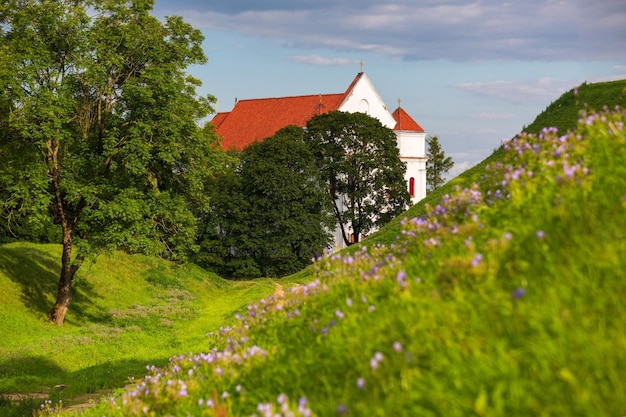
(513, 309)
(128, 312)
(563, 114)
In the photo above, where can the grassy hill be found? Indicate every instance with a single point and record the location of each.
(566, 110)
(128, 312)
(503, 299)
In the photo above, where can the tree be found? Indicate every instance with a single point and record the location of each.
(101, 128)
(224, 235)
(358, 157)
(290, 211)
(271, 214)
(437, 164)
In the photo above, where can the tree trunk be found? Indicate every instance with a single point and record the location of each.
(64, 291)
(346, 240)
(68, 270)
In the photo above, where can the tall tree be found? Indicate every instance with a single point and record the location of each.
(101, 127)
(360, 160)
(437, 164)
(290, 210)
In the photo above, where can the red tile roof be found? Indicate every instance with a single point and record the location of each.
(405, 122)
(256, 119)
(218, 119)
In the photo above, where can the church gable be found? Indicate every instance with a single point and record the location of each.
(362, 97)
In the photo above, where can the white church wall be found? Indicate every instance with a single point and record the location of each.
(412, 147)
(412, 144)
(416, 169)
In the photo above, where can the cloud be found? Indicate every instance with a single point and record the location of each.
(461, 30)
(320, 60)
(518, 92)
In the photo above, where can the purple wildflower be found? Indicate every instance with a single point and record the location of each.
(477, 259)
(360, 383)
(519, 293)
(401, 278)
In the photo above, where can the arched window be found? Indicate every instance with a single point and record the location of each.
(364, 106)
(412, 187)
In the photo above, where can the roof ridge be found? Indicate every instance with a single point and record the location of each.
(352, 84)
(285, 97)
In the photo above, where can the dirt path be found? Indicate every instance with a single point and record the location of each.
(74, 404)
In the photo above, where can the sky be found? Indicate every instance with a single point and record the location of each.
(473, 73)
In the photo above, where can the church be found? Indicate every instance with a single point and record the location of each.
(253, 120)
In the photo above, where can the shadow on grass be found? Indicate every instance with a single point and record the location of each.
(108, 375)
(27, 372)
(37, 273)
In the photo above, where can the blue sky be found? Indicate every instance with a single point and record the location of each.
(471, 72)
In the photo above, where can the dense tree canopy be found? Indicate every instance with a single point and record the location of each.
(359, 158)
(271, 214)
(290, 211)
(437, 165)
(98, 128)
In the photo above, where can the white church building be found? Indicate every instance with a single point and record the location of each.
(253, 120)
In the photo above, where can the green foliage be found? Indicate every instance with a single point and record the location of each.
(503, 300)
(100, 104)
(289, 208)
(270, 216)
(226, 227)
(359, 158)
(437, 165)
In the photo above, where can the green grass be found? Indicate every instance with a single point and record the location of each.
(565, 111)
(127, 312)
